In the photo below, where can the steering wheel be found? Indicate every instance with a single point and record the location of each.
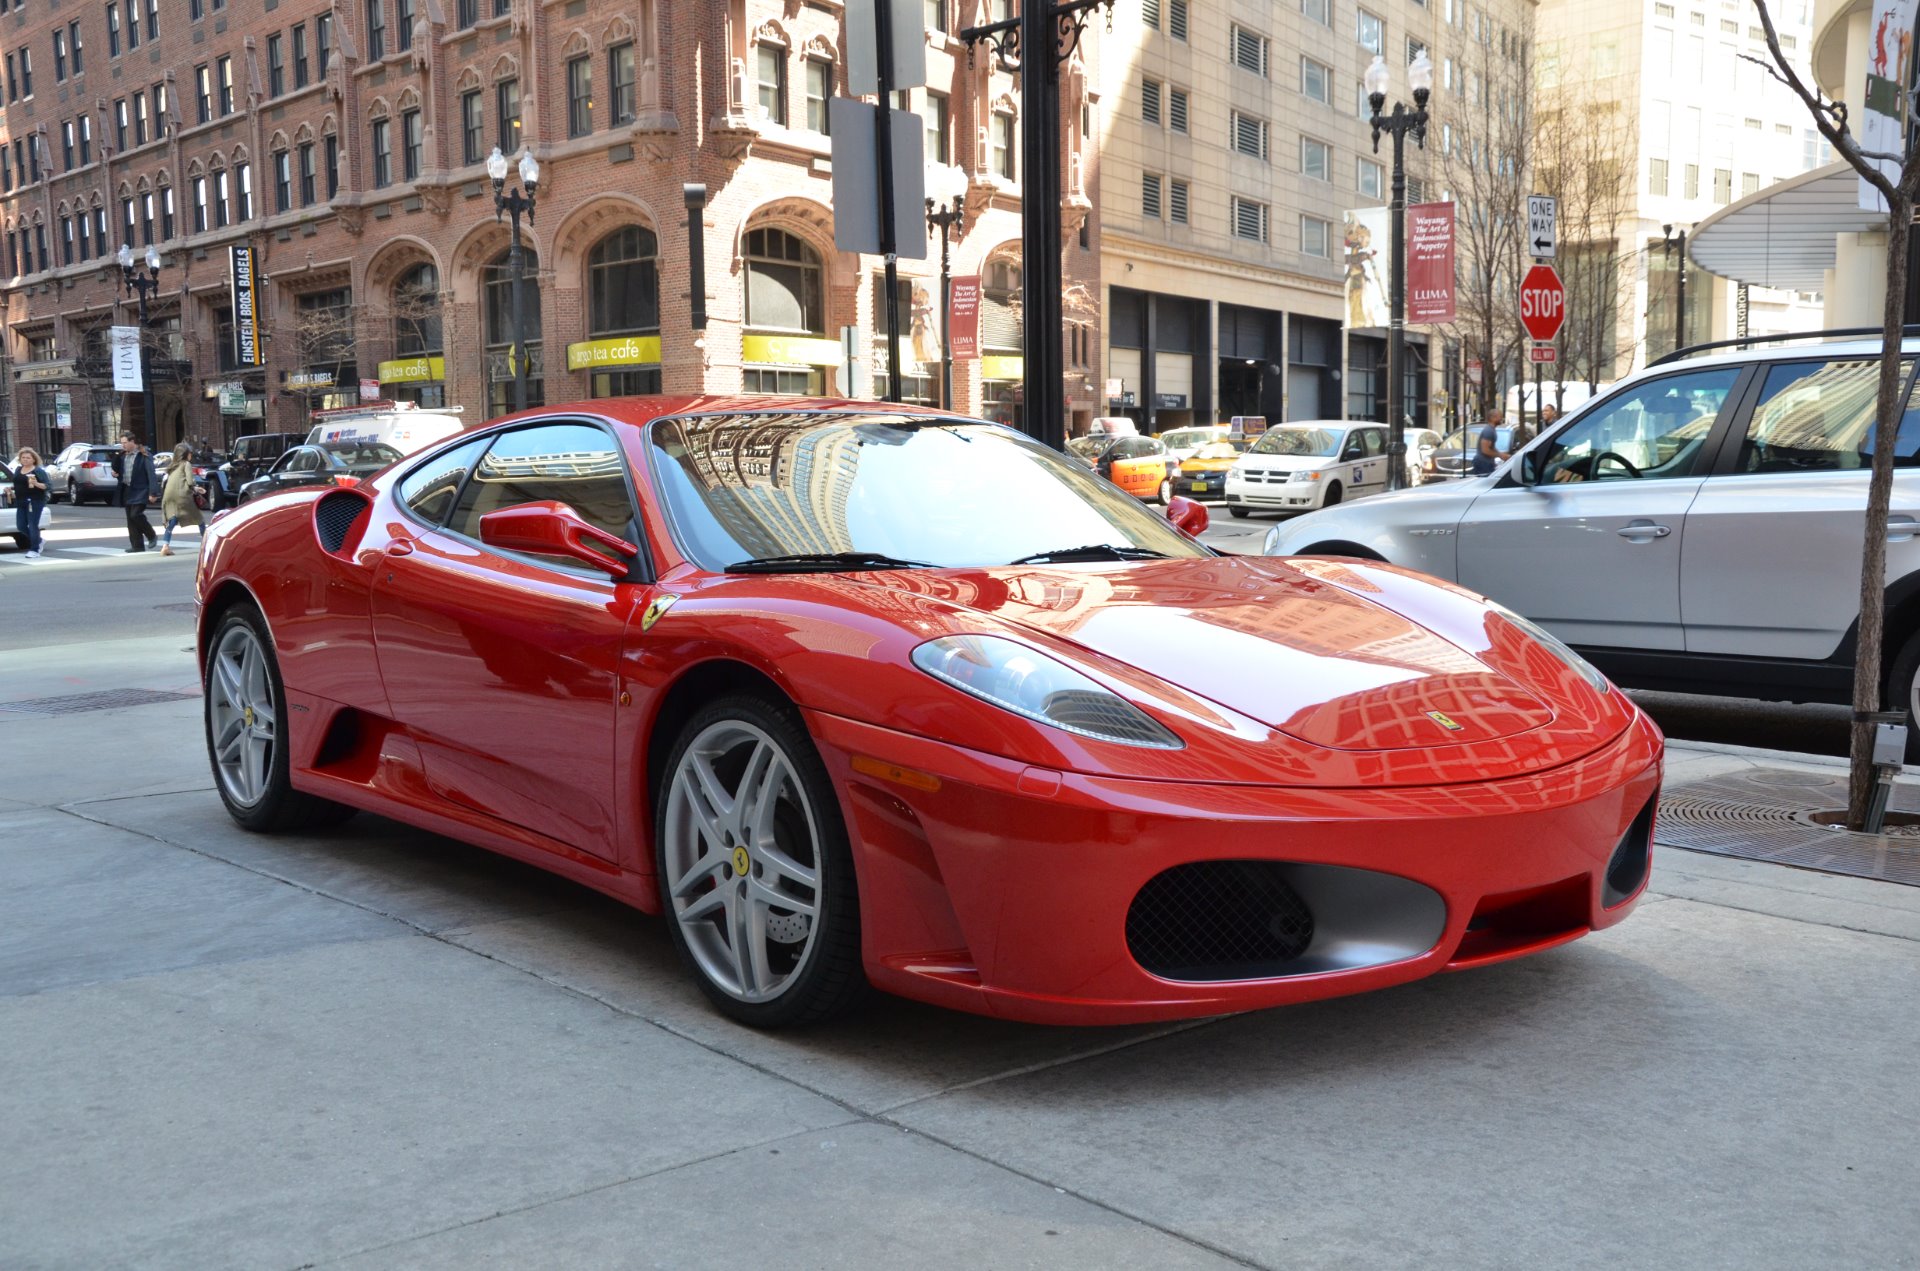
(1593, 467)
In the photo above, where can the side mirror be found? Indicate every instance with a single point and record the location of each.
(551, 528)
(1187, 515)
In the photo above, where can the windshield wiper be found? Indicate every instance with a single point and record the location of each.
(802, 562)
(1092, 551)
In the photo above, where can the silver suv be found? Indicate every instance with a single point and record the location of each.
(86, 471)
(1697, 527)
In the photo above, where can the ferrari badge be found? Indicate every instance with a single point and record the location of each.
(655, 608)
(1445, 721)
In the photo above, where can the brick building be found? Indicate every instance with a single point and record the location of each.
(347, 145)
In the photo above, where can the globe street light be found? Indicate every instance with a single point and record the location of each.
(946, 212)
(514, 203)
(1401, 124)
(142, 285)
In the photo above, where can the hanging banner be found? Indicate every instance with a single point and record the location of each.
(245, 295)
(125, 345)
(1882, 121)
(963, 316)
(1430, 290)
(1367, 254)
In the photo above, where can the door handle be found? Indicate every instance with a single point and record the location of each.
(1901, 528)
(1641, 531)
(400, 547)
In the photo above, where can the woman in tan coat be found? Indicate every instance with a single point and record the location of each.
(176, 499)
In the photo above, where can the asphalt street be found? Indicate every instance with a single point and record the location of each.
(377, 1048)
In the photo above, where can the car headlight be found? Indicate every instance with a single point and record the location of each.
(1029, 683)
(1305, 476)
(1579, 665)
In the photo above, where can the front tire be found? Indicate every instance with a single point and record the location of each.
(1237, 512)
(1332, 497)
(246, 743)
(1164, 495)
(756, 875)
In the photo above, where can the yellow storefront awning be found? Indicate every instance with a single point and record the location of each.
(1003, 367)
(413, 370)
(621, 350)
(789, 350)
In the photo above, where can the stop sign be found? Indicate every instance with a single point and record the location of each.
(1543, 302)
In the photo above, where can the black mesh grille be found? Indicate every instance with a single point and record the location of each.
(334, 518)
(1219, 920)
(1628, 868)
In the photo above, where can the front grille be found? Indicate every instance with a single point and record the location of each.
(1219, 920)
(335, 516)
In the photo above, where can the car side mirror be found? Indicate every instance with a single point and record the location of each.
(1187, 515)
(551, 528)
(1528, 469)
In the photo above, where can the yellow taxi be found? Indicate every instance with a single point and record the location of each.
(1203, 474)
(1139, 465)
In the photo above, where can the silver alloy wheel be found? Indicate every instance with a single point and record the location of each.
(742, 854)
(241, 714)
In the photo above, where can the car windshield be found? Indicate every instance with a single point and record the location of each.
(944, 492)
(359, 454)
(1089, 447)
(1318, 443)
(1180, 438)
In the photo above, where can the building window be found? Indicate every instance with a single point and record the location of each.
(785, 284)
(1316, 159)
(819, 93)
(120, 123)
(282, 181)
(1249, 135)
(772, 64)
(579, 96)
(1314, 236)
(60, 63)
(1150, 14)
(936, 15)
(620, 82)
(242, 191)
(113, 29)
(1177, 200)
(66, 240)
(416, 313)
(323, 42)
(1150, 196)
(306, 174)
(140, 120)
(330, 158)
(1657, 177)
(166, 217)
(376, 30)
(73, 43)
(1150, 101)
(199, 205)
(1177, 19)
(1371, 32)
(203, 86)
(26, 72)
(1249, 219)
(226, 85)
(1320, 11)
(276, 64)
(1002, 145)
(506, 102)
(66, 145)
(413, 144)
(40, 243)
(1370, 178)
(382, 154)
(1722, 185)
(499, 334)
(938, 116)
(1316, 80)
(299, 55)
(1749, 183)
(86, 235)
(1177, 110)
(403, 19)
(1250, 51)
(222, 200)
(86, 140)
(473, 126)
(466, 13)
(623, 283)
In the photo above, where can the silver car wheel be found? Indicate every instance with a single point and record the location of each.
(741, 849)
(242, 715)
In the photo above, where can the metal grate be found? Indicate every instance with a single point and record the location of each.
(1767, 815)
(184, 607)
(1218, 920)
(335, 518)
(105, 700)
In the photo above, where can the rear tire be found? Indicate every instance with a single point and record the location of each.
(1164, 495)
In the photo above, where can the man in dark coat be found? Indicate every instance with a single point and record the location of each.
(137, 487)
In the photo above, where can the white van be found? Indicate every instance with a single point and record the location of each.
(402, 425)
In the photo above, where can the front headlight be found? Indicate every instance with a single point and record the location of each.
(1579, 665)
(1305, 476)
(1031, 684)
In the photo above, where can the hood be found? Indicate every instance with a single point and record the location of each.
(1254, 635)
(1285, 463)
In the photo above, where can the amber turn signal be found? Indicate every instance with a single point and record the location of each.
(894, 772)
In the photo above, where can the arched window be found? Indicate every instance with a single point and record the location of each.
(623, 299)
(499, 333)
(785, 287)
(416, 312)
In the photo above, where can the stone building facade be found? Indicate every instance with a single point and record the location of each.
(347, 145)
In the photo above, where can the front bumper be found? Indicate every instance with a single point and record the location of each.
(1007, 890)
(1287, 496)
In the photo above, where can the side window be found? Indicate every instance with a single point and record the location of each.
(1656, 429)
(284, 463)
(575, 464)
(1819, 417)
(1373, 442)
(429, 490)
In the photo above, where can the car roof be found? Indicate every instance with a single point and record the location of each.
(1790, 352)
(644, 410)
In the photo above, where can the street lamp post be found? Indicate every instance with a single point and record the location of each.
(950, 219)
(1679, 241)
(513, 204)
(143, 285)
(1401, 124)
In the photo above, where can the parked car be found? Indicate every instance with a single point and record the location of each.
(611, 640)
(330, 463)
(1454, 455)
(1422, 445)
(252, 456)
(1696, 527)
(1300, 466)
(1182, 442)
(85, 472)
(1204, 473)
(1139, 465)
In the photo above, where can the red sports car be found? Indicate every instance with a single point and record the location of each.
(859, 695)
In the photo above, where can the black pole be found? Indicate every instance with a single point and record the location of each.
(946, 318)
(146, 370)
(1041, 281)
(1680, 307)
(518, 262)
(1397, 317)
(695, 197)
(883, 143)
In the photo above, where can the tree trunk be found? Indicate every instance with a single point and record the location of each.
(1873, 565)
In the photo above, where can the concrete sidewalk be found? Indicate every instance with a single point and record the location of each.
(377, 1048)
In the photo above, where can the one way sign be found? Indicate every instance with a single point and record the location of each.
(1542, 216)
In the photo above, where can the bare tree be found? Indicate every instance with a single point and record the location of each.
(1898, 188)
(320, 338)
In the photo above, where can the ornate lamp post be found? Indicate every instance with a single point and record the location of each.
(514, 203)
(1679, 241)
(143, 285)
(1401, 124)
(946, 212)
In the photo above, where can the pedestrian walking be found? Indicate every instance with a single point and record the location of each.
(176, 500)
(138, 490)
(1487, 453)
(32, 487)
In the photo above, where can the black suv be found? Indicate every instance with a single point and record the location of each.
(252, 456)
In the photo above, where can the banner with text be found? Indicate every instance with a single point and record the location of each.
(245, 293)
(1430, 290)
(125, 343)
(963, 316)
